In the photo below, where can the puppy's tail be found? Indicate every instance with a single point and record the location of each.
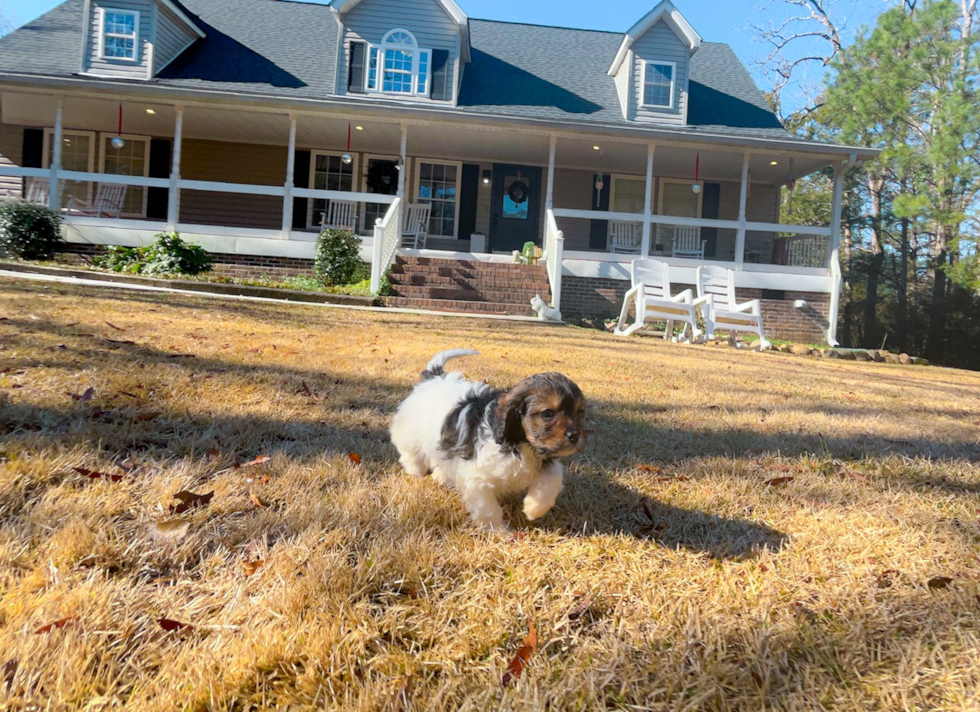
(436, 367)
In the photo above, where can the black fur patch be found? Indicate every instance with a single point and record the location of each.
(437, 372)
(460, 432)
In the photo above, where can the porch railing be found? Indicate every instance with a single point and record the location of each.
(387, 238)
(554, 249)
(805, 250)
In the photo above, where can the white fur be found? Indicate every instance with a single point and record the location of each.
(545, 312)
(416, 430)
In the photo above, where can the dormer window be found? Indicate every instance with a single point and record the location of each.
(119, 30)
(658, 84)
(398, 66)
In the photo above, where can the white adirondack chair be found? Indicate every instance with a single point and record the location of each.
(625, 237)
(416, 230)
(650, 294)
(688, 242)
(38, 191)
(340, 215)
(109, 199)
(716, 301)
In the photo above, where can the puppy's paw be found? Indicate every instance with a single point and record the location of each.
(535, 509)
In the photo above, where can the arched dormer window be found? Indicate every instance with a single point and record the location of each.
(398, 66)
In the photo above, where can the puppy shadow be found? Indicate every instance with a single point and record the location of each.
(594, 505)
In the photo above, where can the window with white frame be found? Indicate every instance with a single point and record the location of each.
(120, 32)
(658, 84)
(398, 66)
(77, 154)
(328, 172)
(133, 159)
(438, 185)
(628, 194)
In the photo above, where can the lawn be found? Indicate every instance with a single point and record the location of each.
(744, 531)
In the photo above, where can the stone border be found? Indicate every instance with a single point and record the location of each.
(864, 355)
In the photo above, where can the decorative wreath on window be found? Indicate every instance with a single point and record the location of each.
(519, 192)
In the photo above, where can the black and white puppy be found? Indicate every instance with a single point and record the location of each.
(488, 443)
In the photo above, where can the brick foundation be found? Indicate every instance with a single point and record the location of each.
(603, 297)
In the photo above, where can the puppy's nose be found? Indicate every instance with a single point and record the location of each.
(572, 436)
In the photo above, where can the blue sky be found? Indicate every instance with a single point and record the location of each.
(715, 20)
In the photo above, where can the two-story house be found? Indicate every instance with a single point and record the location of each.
(247, 124)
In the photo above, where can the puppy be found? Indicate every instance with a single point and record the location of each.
(488, 443)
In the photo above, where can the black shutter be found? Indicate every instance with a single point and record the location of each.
(600, 201)
(709, 211)
(468, 197)
(33, 148)
(301, 179)
(157, 199)
(355, 75)
(441, 89)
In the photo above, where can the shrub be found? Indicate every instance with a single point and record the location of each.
(171, 255)
(123, 259)
(337, 258)
(29, 231)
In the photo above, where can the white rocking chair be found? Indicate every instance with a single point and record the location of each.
(38, 191)
(716, 301)
(688, 242)
(109, 199)
(654, 303)
(625, 237)
(340, 215)
(416, 230)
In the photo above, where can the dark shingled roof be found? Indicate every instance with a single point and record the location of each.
(518, 71)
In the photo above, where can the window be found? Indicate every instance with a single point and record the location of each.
(658, 84)
(328, 172)
(120, 30)
(398, 66)
(133, 159)
(438, 185)
(628, 194)
(77, 154)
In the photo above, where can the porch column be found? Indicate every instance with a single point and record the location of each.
(648, 204)
(742, 220)
(402, 156)
(287, 200)
(173, 202)
(54, 198)
(549, 200)
(833, 251)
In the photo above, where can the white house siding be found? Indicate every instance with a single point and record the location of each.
(624, 79)
(115, 67)
(11, 149)
(371, 20)
(172, 37)
(660, 44)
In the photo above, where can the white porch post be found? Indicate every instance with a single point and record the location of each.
(54, 197)
(549, 200)
(742, 220)
(403, 159)
(173, 202)
(833, 256)
(287, 200)
(648, 204)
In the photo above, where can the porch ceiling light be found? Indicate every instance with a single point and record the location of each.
(359, 128)
(151, 112)
(597, 148)
(773, 163)
(487, 174)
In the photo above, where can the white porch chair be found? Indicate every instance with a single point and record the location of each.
(38, 191)
(688, 242)
(109, 199)
(716, 301)
(340, 215)
(416, 230)
(625, 237)
(653, 301)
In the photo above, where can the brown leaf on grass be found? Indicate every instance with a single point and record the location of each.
(258, 502)
(516, 666)
(57, 624)
(189, 500)
(130, 395)
(170, 625)
(579, 608)
(261, 459)
(652, 469)
(117, 328)
(93, 475)
(213, 453)
(884, 580)
(252, 566)
(83, 397)
(354, 458)
(940, 582)
(9, 673)
(259, 480)
(144, 417)
(169, 529)
(779, 481)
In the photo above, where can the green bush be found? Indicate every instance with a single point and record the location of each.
(337, 258)
(123, 259)
(29, 231)
(168, 255)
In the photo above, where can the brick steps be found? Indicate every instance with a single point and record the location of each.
(500, 296)
(459, 306)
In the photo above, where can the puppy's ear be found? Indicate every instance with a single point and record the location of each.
(511, 409)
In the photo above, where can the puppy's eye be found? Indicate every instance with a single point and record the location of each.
(548, 414)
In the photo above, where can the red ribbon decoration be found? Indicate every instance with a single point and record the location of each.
(120, 120)
(348, 137)
(697, 168)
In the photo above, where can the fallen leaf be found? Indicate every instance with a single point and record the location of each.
(171, 625)
(579, 608)
(9, 672)
(252, 566)
(260, 479)
(57, 624)
(93, 475)
(169, 529)
(354, 458)
(261, 459)
(144, 417)
(652, 469)
(130, 395)
(258, 502)
(520, 661)
(189, 500)
(117, 328)
(214, 452)
(779, 481)
(84, 397)
(940, 582)
(884, 580)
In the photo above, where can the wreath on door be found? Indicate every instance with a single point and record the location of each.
(518, 192)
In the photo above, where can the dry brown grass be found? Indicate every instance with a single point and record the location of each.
(377, 593)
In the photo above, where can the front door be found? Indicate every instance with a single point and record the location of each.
(515, 216)
(380, 178)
